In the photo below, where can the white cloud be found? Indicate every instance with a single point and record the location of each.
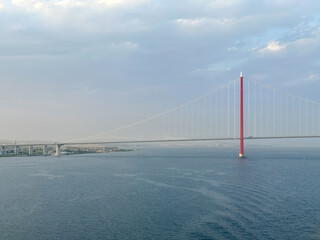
(311, 78)
(123, 47)
(118, 3)
(300, 46)
(272, 47)
(222, 66)
(86, 16)
(307, 45)
(113, 50)
(232, 48)
(197, 22)
(229, 8)
(40, 6)
(205, 25)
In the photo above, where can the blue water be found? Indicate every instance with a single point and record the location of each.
(165, 193)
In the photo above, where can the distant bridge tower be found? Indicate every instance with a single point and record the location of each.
(57, 149)
(44, 150)
(30, 150)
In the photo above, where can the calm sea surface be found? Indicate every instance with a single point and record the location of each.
(165, 193)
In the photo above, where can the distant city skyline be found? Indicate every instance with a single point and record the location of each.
(71, 68)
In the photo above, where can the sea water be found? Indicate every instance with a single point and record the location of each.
(163, 193)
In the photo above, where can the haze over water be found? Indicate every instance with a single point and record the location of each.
(164, 193)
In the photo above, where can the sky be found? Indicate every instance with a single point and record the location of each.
(72, 68)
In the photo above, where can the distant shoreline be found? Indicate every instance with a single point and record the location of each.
(66, 153)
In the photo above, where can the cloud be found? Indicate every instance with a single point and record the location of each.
(304, 81)
(222, 66)
(48, 6)
(307, 45)
(118, 50)
(204, 25)
(85, 17)
(272, 47)
(124, 46)
(121, 3)
(198, 22)
(299, 46)
(311, 78)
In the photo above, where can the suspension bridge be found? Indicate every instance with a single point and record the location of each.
(238, 110)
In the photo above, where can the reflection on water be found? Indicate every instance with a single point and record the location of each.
(187, 193)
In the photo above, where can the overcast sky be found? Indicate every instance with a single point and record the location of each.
(71, 68)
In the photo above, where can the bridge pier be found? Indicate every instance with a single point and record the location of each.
(15, 149)
(44, 150)
(30, 150)
(3, 149)
(57, 150)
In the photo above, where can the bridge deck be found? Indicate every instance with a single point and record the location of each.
(156, 141)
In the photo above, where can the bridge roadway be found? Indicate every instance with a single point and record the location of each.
(58, 145)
